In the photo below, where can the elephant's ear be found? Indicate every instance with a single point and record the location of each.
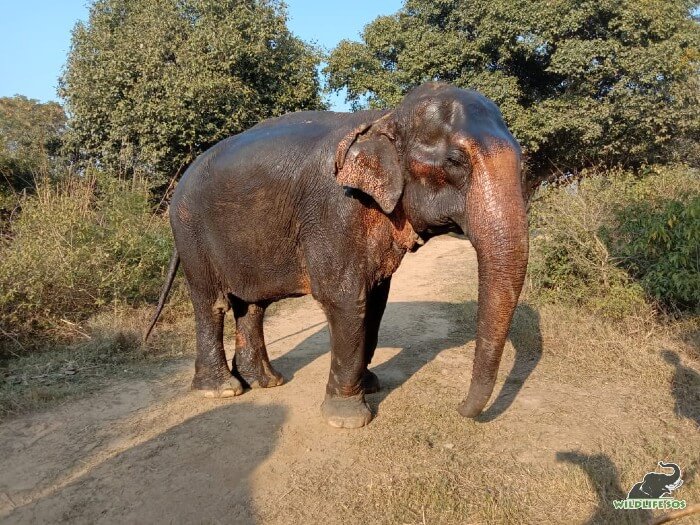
(367, 160)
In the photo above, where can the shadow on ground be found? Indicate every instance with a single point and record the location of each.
(197, 470)
(422, 330)
(604, 477)
(685, 387)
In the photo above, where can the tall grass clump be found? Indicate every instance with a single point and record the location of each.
(619, 244)
(78, 247)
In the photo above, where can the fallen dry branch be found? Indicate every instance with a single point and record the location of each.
(676, 514)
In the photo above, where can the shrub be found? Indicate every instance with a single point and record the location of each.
(615, 242)
(79, 246)
(658, 240)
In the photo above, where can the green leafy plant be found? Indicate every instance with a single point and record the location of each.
(618, 243)
(30, 141)
(659, 244)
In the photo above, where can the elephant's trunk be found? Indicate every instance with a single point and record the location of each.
(672, 478)
(496, 224)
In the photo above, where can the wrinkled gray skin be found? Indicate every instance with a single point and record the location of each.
(656, 485)
(328, 204)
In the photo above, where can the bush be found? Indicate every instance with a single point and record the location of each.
(616, 242)
(658, 242)
(77, 247)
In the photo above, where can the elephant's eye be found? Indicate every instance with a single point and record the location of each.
(458, 167)
(457, 158)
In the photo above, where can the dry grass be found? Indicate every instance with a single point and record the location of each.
(600, 408)
(105, 349)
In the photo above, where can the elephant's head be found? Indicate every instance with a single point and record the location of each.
(659, 485)
(446, 158)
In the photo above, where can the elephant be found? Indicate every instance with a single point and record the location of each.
(328, 203)
(657, 485)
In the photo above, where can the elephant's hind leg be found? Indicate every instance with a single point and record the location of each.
(212, 376)
(251, 362)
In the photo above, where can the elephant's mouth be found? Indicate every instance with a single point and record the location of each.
(673, 486)
(433, 231)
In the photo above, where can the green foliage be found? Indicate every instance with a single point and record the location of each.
(658, 241)
(30, 141)
(601, 82)
(615, 242)
(149, 84)
(79, 246)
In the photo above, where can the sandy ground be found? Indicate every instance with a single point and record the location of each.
(152, 451)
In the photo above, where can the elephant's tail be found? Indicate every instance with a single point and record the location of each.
(172, 270)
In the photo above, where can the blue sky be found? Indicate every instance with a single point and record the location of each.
(35, 36)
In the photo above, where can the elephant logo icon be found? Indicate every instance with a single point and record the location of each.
(657, 485)
(654, 491)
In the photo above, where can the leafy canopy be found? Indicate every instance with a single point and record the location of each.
(149, 84)
(599, 82)
(30, 141)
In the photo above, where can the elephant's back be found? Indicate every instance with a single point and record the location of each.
(291, 155)
(287, 147)
(276, 148)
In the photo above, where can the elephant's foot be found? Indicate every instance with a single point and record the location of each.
(370, 382)
(210, 388)
(261, 376)
(346, 412)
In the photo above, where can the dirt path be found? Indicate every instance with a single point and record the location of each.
(152, 451)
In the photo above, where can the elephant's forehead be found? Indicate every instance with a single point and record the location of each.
(435, 116)
(438, 118)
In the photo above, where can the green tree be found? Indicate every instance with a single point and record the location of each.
(30, 141)
(580, 83)
(149, 84)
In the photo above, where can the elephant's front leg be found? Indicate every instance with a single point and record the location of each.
(344, 406)
(251, 362)
(376, 304)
